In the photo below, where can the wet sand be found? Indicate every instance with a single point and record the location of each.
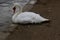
(44, 31)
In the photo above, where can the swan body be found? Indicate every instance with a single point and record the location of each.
(27, 17)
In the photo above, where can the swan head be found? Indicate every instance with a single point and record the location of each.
(17, 8)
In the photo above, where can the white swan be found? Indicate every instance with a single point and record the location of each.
(26, 17)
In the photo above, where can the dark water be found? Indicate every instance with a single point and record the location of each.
(5, 17)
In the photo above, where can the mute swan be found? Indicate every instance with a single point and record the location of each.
(26, 17)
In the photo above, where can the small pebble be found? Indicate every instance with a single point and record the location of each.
(32, 2)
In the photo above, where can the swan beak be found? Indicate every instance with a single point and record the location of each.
(14, 9)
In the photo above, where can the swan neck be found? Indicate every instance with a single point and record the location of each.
(18, 9)
(17, 13)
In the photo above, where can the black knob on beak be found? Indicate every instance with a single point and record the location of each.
(14, 9)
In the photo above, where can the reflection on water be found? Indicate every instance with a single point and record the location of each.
(5, 17)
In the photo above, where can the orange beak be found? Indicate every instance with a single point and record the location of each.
(14, 9)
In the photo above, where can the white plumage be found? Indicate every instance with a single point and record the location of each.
(27, 17)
